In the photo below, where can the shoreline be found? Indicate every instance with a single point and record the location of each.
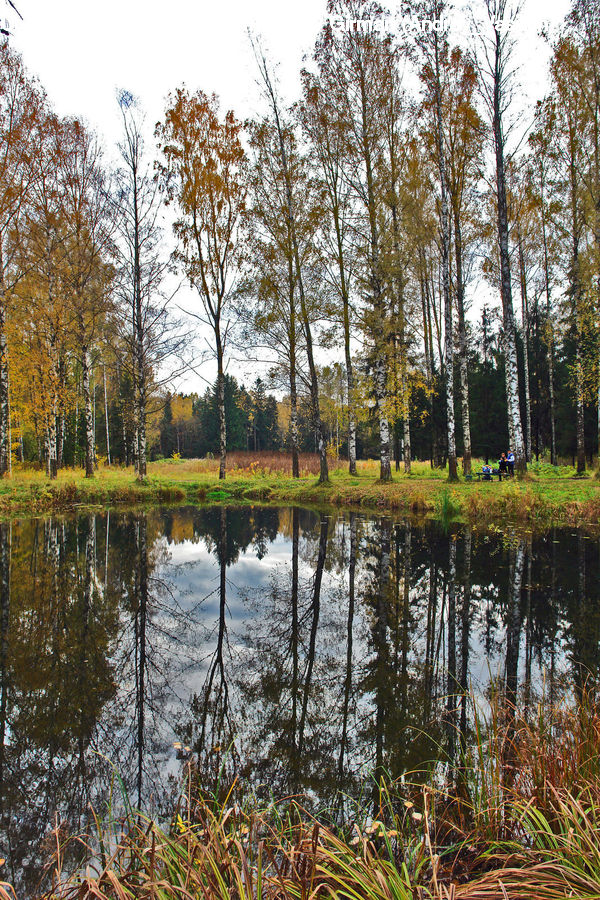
(537, 501)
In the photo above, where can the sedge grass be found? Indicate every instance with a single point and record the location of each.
(516, 816)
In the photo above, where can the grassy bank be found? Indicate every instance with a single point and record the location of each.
(516, 815)
(546, 496)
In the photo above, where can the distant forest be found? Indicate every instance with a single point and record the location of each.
(404, 220)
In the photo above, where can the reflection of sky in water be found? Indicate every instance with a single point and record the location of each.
(181, 636)
(194, 574)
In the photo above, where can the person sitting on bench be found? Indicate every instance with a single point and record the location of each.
(486, 472)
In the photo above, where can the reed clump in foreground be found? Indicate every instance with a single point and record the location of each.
(515, 814)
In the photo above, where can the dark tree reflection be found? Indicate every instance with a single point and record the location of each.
(294, 651)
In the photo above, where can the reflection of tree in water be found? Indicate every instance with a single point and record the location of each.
(352, 658)
(287, 673)
(156, 640)
(210, 726)
(212, 706)
(56, 679)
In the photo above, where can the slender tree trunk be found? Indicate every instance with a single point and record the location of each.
(580, 417)
(452, 681)
(550, 327)
(292, 337)
(348, 356)
(89, 415)
(381, 647)
(60, 440)
(21, 446)
(575, 291)
(510, 350)
(5, 561)
(51, 441)
(106, 415)
(378, 312)
(141, 625)
(513, 625)
(445, 254)
(294, 643)
(462, 346)
(349, 644)
(291, 216)
(400, 334)
(465, 640)
(9, 420)
(525, 317)
(221, 407)
(385, 463)
(76, 431)
(316, 608)
(4, 411)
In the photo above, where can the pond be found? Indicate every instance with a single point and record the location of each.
(299, 652)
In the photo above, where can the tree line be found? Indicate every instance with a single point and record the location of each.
(352, 243)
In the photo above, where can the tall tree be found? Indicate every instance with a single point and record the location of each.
(277, 114)
(203, 169)
(321, 122)
(540, 164)
(435, 50)
(567, 113)
(89, 225)
(275, 318)
(463, 136)
(354, 59)
(494, 63)
(20, 108)
(151, 334)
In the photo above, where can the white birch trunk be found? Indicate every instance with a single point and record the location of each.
(90, 451)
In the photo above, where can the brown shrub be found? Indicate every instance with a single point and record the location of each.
(266, 462)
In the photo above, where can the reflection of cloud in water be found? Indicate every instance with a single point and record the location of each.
(292, 672)
(194, 573)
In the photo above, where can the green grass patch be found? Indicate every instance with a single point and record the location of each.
(547, 495)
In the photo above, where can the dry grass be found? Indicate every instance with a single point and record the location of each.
(242, 463)
(518, 817)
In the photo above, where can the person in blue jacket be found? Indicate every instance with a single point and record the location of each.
(510, 461)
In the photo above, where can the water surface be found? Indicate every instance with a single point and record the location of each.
(296, 651)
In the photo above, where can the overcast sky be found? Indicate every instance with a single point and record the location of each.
(84, 50)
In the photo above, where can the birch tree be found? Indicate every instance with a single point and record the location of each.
(434, 47)
(354, 58)
(203, 168)
(291, 210)
(275, 319)
(151, 334)
(324, 129)
(87, 213)
(463, 139)
(495, 79)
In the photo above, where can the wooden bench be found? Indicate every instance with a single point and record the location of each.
(486, 476)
